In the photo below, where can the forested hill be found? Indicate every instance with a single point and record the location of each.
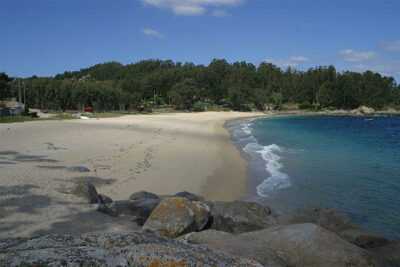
(113, 86)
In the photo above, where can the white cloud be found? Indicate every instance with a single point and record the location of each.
(220, 13)
(294, 61)
(351, 55)
(190, 7)
(154, 33)
(299, 59)
(391, 46)
(384, 67)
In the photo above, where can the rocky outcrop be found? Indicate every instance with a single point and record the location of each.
(140, 208)
(342, 225)
(366, 110)
(176, 216)
(355, 112)
(86, 190)
(112, 249)
(143, 194)
(234, 245)
(311, 245)
(238, 216)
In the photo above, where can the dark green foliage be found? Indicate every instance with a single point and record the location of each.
(5, 88)
(113, 86)
(307, 106)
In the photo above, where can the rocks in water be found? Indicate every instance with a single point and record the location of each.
(86, 190)
(176, 216)
(143, 194)
(104, 199)
(311, 245)
(342, 225)
(190, 196)
(111, 249)
(141, 208)
(238, 216)
(366, 110)
(234, 245)
(77, 169)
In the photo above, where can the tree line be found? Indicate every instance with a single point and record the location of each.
(113, 86)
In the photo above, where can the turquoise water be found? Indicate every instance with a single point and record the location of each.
(348, 163)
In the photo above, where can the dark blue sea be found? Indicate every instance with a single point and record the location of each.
(348, 163)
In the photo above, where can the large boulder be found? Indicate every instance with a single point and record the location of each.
(143, 194)
(366, 110)
(111, 249)
(176, 216)
(86, 190)
(342, 225)
(311, 245)
(234, 245)
(238, 216)
(201, 215)
(140, 208)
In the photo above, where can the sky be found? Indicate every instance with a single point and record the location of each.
(44, 38)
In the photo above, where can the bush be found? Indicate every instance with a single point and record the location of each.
(307, 106)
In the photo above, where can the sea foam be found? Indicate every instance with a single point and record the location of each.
(266, 157)
(277, 179)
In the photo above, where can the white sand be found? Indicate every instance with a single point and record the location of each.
(163, 154)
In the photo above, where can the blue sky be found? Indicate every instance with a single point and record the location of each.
(50, 37)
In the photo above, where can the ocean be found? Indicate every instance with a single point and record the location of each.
(348, 163)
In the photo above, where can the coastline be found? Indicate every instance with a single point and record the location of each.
(163, 153)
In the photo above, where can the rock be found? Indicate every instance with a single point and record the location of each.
(86, 190)
(238, 216)
(77, 169)
(141, 208)
(234, 245)
(355, 112)
(201, 215)
(176, 216)
(342, 225)
(366, 111)
(103, 208)
(190, 196)
(171, 218)
(143, 194)
(110, 249)
(311, 245)
(104, 199)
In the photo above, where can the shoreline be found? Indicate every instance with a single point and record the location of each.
(165, 154)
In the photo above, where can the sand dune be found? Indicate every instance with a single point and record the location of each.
(164, 154)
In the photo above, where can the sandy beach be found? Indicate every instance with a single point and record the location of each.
(164, 154)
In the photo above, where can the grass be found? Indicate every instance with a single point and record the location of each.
(103, 115)
(16, 119)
